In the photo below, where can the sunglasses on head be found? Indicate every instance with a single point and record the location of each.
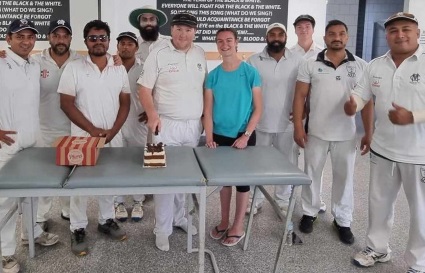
(95, 38)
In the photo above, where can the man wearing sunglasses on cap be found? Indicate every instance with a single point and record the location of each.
(95, 95)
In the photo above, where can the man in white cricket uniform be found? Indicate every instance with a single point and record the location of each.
(398, 146)
(329, 77)
(278, 68)
(19, 125)
(134, 132)
(53, 121)
(174, 74)
(95, 95)
(148, 20)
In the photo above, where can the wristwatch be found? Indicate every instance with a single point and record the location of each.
(247, 134)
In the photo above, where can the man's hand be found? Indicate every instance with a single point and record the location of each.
(2, 54)
(300, 137)
(154, 123)
(5, 138)
(241, 142)
(350, 107)
(365, 144)
(400, 115)
(117, 60)
(110, 134)
(97, 132)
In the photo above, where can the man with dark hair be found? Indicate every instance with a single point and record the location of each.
(278, 68)
(148, 20)
(94, 94)
(19, 125)
(134, 132)
(329, 77)
(397, 150)
(172, 96)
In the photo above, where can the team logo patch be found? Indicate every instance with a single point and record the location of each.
(415, 78)
(173, 68)
(422, 174)
(8, 64)
(338, 78)
(44, 73)
(199, 67)
(376, 81)
(351, 71)
(61, 22)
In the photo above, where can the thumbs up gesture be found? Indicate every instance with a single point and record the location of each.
(400, 115)
(350, 106)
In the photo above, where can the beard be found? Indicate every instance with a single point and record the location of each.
(276, 46)
(60, 51)
(98, 51)
(150, 34)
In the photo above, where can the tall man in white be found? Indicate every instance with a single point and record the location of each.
(19, 125)
(95, 95)
(398, 145)
(330, 76)
(174, 74)
(278, 68)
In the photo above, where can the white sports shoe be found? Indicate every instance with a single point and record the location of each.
(45, 239)
(161, 242)
(369, 257)
(322, 207)
(256, 208)
(10, 264)
(121, 213)
(137, 212)
(412, 270)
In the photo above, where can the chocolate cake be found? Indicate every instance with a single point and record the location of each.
(154, 156)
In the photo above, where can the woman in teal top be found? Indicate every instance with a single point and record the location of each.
(232, 109)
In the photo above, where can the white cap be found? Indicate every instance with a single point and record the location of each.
(276, 25)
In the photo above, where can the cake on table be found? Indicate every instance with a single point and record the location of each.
(154, 156)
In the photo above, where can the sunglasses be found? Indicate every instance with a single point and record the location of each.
(95, 38)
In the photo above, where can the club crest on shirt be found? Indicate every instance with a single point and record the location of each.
(199, 67)
(10, 66)
(44, 73)
(351, 71)
(415, 78)
(422, 174)
(173, 68)
(376, 81)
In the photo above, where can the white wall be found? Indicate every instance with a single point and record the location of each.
(417, 7)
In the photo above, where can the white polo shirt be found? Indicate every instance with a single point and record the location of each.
(53, 121)
(177, 79)
(146, 46)
(330, 89)
(133, 75)
(19, 100)
(96, 92)
(312, 52)
(404, 86)
(278, 87)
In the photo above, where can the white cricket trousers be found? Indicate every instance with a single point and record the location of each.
(285, 143)
(342, 154)
(8, 234)
(386, 178)
(170, 208)
(134, 135)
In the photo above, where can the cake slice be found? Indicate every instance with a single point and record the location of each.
(154, 156)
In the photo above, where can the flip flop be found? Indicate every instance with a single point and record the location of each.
(220, 233)
(239, 237)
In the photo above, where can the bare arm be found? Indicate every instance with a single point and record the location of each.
(207, 119)
(301, 93)
(67, 103)
(121, 116)
(367, 118)
(242, 141)
(146, 100)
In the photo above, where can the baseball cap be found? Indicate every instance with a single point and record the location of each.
(400, 16)
(54, 25)
(276, 25)
(21, 24)
(127, 34)
(305, 17)
(134, 16)
(186, 19)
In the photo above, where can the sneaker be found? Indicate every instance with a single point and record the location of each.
(184, 227)
(9, 264)
(137, 212)
(412, 270)
(256, 208)
(306, 223)
(64, 217)
(112, 229)
(121, 213)
(162, 243)
(344, 233)
(78, 244)
(322, 207)
(369, 257)
(45, 239)
(44, 226)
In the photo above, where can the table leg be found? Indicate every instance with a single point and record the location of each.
(191, 211)
(251, 217)
(202, 210)
(28, 213)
